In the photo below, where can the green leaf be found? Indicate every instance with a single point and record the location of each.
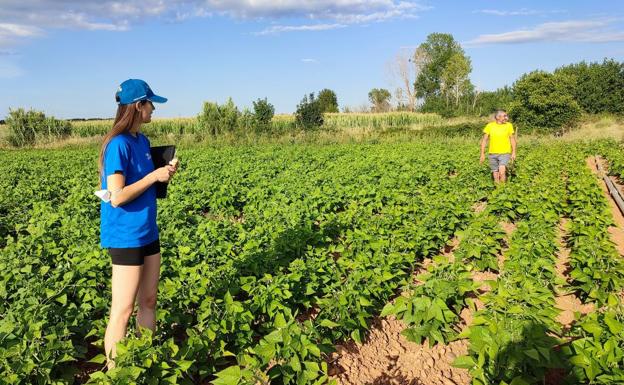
(62, 299)
(464, 362)
(328, 323)
(533, 354)
(615, 327)
(228, 376)
(99, 359)
(295, 364)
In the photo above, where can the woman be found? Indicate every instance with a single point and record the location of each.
(128, 220)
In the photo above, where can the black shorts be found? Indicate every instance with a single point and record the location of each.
(133, 256)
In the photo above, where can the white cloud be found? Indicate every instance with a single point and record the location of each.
(585, 31)
(31, 18)
(276, 29)
(310, 61)
(518, 12)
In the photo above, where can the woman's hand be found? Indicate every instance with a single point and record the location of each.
(163, 174)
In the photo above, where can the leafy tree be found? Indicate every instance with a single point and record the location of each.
(435, 52)
(454, 78)
(597, 87)
(544, 102)
(263, 114)
(380, 99)
(328, 100)
(488, 102)
(309, 115)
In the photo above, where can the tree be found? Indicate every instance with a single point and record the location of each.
(380, 99)
(263, 114)
(454, 78)
(309, 115)
(404, 69)
(543, 102)
(597, 87)
(435, 54)
(328, 101)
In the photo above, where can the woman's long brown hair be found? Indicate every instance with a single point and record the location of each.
(125, 119)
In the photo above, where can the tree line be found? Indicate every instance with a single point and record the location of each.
(435, 78)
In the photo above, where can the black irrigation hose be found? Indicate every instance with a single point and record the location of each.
(615, 193)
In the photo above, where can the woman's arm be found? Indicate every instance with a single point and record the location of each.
(122, 194)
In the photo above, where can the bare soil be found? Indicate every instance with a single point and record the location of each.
(388, 358)
(617, 231)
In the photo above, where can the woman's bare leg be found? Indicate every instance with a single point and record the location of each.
(125, 284)
(148, 288)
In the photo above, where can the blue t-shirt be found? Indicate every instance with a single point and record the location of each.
(132, 224)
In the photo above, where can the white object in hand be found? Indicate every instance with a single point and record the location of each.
(104, 195)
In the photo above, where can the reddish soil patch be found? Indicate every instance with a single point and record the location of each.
(388, 358)
(450, 248)
(482, 276)
(479, 206)
(508, 227)
(617, 231)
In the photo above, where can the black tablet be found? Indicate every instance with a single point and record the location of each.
(161, 156)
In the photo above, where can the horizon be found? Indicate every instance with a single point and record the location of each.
(68, 64)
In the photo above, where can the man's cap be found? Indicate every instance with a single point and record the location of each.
(134, 90)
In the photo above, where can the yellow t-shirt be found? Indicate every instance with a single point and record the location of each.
(499, 137)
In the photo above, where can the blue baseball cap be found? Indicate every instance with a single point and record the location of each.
(134, 90)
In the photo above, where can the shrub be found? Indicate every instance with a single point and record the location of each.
(309, 115)
(218, 119)
(263, 114)
(543, 102)
(29, 127)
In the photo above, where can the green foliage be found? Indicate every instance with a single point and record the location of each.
(438, 50)
(217, 119)
(431, 311)
(328, 100)
(380, 99)
(488, 102)
(273, 254)
(263, 114)
(481, 243)
(597, 87)
(543, 102)
(598, 357)
(30, 127)
(309, 115)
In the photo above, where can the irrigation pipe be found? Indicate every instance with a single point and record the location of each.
(615, 193)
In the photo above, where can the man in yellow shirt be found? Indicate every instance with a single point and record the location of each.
(502, 145)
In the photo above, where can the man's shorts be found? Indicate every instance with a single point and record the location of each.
(497, 160)
(133, 256)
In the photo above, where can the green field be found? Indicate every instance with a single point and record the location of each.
(256, 239)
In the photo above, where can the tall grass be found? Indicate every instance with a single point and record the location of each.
(281, 123)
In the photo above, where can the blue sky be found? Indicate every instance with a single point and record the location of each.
(67, 57)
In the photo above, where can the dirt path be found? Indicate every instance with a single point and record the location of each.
(568, 303)
(617, 231)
